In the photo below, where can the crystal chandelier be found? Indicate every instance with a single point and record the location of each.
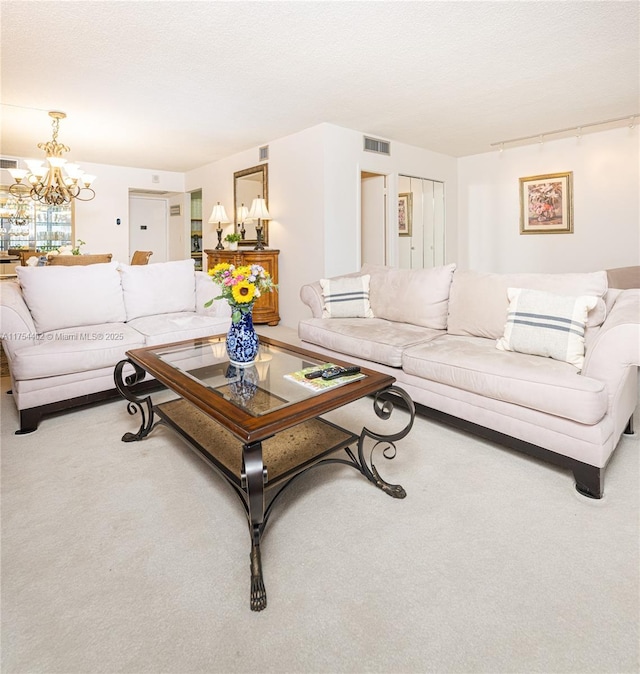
(20, 213)
(50, 184)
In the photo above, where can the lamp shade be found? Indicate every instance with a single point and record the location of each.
(218, 214)
(18, 174)
(259, 210)
(242, 213)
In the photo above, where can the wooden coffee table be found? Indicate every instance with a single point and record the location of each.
(255, 426)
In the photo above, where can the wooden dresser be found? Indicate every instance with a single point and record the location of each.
(265, 310)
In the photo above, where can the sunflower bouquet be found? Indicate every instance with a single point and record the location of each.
(240, 286)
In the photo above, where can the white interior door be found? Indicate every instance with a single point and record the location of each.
(373, 219)
(148, 227)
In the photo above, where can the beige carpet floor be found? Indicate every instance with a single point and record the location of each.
(134, 558)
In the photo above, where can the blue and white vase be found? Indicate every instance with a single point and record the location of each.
(242, 341)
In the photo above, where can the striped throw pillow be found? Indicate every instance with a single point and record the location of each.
(546, 324)
(346, 297)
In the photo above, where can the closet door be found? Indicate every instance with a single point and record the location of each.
(421, 223)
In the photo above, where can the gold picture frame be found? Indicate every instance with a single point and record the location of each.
(405, 211)
(546, 204)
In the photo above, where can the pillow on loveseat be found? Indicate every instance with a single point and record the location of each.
(478, 301)
(159, 288)
(546, 324)
(69, 297)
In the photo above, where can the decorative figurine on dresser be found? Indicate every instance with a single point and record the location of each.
(265, 310)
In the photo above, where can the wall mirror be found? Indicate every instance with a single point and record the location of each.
(247, 185)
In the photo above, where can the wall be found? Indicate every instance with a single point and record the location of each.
(295, 204)
(179, 239)
(314, 199)
(605, 195)
(96, 220)
(344, 160)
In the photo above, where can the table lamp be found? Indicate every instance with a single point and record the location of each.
(219, 215)
(259, 212)
(242, 214)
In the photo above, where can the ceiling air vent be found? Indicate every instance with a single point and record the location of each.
(6, 163)
(377, 145)
(263, 153)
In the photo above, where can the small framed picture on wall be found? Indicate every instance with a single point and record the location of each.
(546, 204)
(405, 210)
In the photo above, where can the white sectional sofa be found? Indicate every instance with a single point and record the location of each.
(64, 328)
(437, 332)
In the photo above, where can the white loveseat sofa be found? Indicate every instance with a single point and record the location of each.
(64, 328)
(436, 331)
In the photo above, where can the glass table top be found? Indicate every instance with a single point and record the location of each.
(274, 381)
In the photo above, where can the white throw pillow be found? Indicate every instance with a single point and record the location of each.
(346, 297)
(546, 324)
(416, 296)
(159, 288)
(68, 297)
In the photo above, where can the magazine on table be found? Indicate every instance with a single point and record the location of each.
(319, 384)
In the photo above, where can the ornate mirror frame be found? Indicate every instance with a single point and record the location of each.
(247, 185)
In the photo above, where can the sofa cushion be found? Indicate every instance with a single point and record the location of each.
(346, 297)
(473, 364)
(546, 324)
(66, 297)
(375, 339)
(160, 288)
(417, 296)
(79, 349)
(174, 327)
(478, 301)
(624, 278)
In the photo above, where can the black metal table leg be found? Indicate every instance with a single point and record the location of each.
(383, 407)
(136, 404)
(254, 477)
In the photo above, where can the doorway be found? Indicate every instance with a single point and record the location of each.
(421, 240)
(148, 226)
(373, 218)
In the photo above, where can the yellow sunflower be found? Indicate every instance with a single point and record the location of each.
(243, 292)
(220, 267)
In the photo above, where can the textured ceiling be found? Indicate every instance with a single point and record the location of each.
(176, 85)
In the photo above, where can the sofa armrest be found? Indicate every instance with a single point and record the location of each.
(206, 290)
(616, 347)
(311, 295)
(16, 324)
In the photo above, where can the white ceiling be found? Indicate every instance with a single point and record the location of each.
(178, 84)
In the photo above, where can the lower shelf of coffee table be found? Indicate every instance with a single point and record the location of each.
(284, 454)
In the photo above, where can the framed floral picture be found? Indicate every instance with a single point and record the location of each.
(405, 210)
(546, 204)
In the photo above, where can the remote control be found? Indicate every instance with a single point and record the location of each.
(313, 375)
(334, 372)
